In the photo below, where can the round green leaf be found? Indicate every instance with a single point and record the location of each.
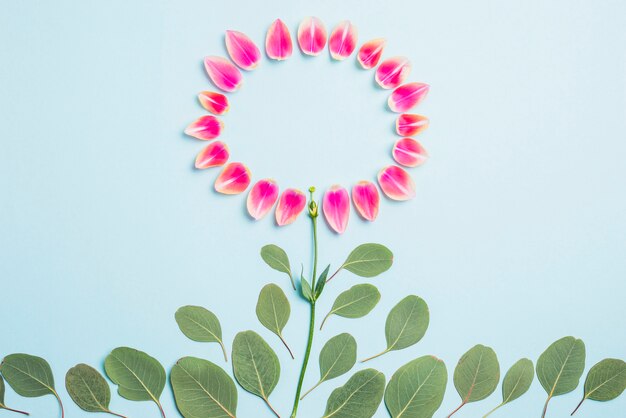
(416, 389)
(477, 374)
(203, 390)
(517, 380)
(359, 397)
(200, 324)
(277, 258)
(605, 381)
(355, 302)
(88, 389)
(369, 260)
(337, 356)
(2, 405)
(560, 367)
(273, 310)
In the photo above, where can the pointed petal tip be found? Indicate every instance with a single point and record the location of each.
(342, 40)
(206, 128)
(223, 73)
(234, 179)
(213, 155)
(392, 72)
(215, 103)
(396, 183)
(366, 199)
(312, 36)
(278, 43)
(290, 204)
(336, 208)
(242, 50)
(410, 125)
(409, 152)
(407, 96)
(262, 198)
(370, 53)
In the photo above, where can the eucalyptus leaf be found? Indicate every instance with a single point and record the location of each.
(359, 397)
(605, 381)
(406, 324)
(2, 405)
(368, 260)
(560, 367)
(139, 377)
(416, 390)
(88, 389)
(203, 390)
(273, 311)
(29, 376)
(355, 302)
(337, 357)
(255, 365)
(277, 258)
(200, 324)
(516, 382)
(477, 374)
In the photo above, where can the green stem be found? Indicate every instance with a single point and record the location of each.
(376, 355)
(311, 390)
(117, 415)
(305, 362)
(493, 410)
(6, 408)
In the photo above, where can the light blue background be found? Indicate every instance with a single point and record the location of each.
(516, 237)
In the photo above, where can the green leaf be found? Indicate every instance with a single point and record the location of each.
(321, 282)
(416, 390)
(336, 358)
(29, 376)
(2, 405)
(305, 289)
(560, 367)
(605, 381)
(477, 374)
(355, 302)
(203, 390)
(200, 324)
(273, 311)
(277, 258)
(255, 365)
(516, 382)
(139, 377)
(359, 397)
(369, 260)
(88, 389)
(406, 324)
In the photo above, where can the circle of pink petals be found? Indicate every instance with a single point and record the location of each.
(235, 178)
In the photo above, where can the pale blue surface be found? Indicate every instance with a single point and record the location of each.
(516, 237)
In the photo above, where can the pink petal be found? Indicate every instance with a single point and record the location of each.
(370, 53)
(407, 96)
(312, 36)
(336, 207)
(205, 127)
(242, 50)
(213, 155)
(392, 72)
(290, 205)
(409, 152)
(396, 183)
(342, 41)
(278, 43)
(223, 73)
(215, 103)
(366, 199)
(411, 125)
(262, 197)
(234, 179)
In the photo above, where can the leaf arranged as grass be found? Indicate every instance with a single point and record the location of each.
(200, 324)
(277, 258)
(255, 365)
(2, 405)
(359, 397)
(406, 324)
(139, 377)
(368, 260)
(203, 390)
(88, 389)
(337, 357)
(605, 381)
(355, 302)
(476, 376)
(416, 390)
(29, 376)
(516, 382)
(273, 311)
(560, 367)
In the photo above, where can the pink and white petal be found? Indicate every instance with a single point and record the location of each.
(290, 204)
(261, 198)
(336, 208)
(396, 183)
(215, 103)
(234, 179)
(223, 73)
(342, 41)
(366, 199)
(312, 36)
(205, 127)
(392, 72)
(242, 50)
(407, 96)
(213, 155)
(410, 153)
(410, 125)
(370, 53)
(278, 44)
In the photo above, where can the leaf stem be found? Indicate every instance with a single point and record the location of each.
(286, 346)
(117, 415)
(374, 356)
(457, 410)
(311, 390)
(579, 405)
(325, 318)
(334, 274)
(56, 395)
(224, 351)
(14, 410)
(493, 410)
(269, 405)
(160, 408)
(545, 407)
